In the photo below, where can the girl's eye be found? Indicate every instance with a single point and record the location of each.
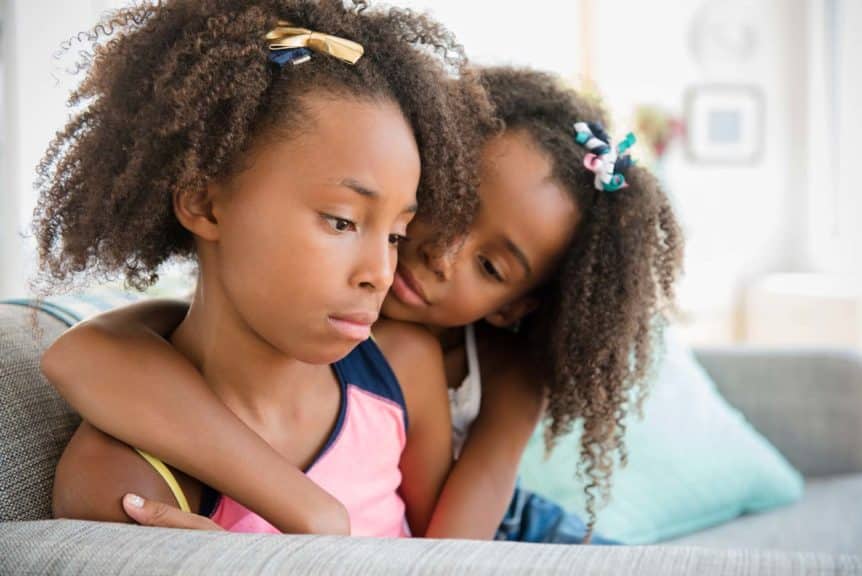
(397, 239)
(340, 224)
(489, 269)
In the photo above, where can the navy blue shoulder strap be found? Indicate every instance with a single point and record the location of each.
(366, 368)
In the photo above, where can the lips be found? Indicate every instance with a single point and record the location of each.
(355, 326)
(407, 289)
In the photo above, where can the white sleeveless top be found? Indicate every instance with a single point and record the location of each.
(465, 400)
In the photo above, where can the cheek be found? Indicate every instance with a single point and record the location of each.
(267, 266)
(467, 301)
(394, 310)
(276, 254)
(475, 297)
(257, 241)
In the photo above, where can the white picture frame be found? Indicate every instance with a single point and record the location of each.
(724, 124)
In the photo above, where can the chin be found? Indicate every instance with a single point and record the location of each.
(318, 349)
(395, 310)
(328, 354)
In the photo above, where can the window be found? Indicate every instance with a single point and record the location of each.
(834, 123)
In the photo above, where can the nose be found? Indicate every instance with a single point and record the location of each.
(375, 268)
(440, 258)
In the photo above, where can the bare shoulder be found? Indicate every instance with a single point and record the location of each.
(401, 341)
(416, 358)
(96, 471)
(409, 348)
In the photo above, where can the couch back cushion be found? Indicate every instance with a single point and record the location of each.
(35, 422)
(694, 461)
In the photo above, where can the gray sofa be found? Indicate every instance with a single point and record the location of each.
(809, 404)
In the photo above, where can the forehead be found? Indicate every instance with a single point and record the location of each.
(521, 200)
(359, 132)
(332, 139)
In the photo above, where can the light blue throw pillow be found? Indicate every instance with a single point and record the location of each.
(694, 462)
(73, 308)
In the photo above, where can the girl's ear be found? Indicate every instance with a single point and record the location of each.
(512, 312)
(194, 210)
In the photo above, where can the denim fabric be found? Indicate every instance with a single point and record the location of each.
(532, 518)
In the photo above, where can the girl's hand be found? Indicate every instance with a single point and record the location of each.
(154, 513)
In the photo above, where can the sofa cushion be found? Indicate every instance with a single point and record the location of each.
(76, 547)
(35, 423)
(827, 519)
(693, 461)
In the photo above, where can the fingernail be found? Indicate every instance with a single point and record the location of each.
(135, 500)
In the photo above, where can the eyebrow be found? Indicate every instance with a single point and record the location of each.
(373, 194)
(519, 255)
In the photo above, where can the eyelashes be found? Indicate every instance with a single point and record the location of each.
(341, 225)
(489, 269)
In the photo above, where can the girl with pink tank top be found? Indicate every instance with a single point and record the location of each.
(289, 174)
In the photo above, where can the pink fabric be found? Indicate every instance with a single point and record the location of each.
(592, 162)
(360, 468)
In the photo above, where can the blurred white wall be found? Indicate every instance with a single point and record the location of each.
(35, 88)
(740, 220)
(545, 36)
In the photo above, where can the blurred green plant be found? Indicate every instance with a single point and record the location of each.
(656, 129)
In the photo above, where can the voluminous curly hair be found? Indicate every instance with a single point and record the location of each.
(181, 89)
(601, 314)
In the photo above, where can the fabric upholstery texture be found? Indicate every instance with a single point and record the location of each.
(827, 519)
(806, 402)
(35, 422)
(76, 547)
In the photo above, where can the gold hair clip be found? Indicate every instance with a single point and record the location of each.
(286, 36)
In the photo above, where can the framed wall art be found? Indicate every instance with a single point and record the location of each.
(724, 124)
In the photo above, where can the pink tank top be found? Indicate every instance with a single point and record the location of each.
(359, 463)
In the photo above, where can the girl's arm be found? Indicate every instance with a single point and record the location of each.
(96, 471)
(121, 375)
(415, 356)
(480, 487)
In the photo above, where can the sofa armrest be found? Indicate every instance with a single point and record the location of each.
(807, 402)
(35, 422)
(76, 547)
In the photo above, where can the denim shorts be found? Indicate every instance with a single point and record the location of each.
(532, 518)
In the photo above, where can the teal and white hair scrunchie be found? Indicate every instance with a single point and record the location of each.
(606, 161)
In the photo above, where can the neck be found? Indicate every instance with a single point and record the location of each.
(242, 368)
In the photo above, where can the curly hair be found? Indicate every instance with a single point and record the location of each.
(178, 91)
(602, 312)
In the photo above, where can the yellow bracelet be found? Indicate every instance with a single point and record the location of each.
(169, 479)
